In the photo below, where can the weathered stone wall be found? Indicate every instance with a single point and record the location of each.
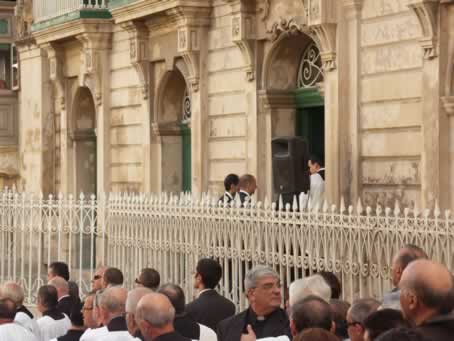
(390, 102)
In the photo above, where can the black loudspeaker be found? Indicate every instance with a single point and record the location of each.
(290, 170)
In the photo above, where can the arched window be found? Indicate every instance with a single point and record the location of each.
(310, 71)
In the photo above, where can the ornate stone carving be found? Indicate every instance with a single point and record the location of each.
(23, 18)
(138, 53)
(427, 12)
(94, 50)
(285, 27)
(54, 54)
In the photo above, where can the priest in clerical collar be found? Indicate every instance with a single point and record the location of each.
(264, 315)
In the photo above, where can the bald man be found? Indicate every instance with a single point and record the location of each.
(248, 186)
(154, 316)
(427, 299)
(134, 296)
(407, 254)
(112, 310)
(96, 282)
(65, 301)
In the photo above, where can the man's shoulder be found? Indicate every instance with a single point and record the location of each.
(240, 317)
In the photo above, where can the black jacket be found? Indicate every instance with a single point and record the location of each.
(171, 337)
(65, 305)
(186, 326)
(117, 324)
(440, 328)
(71, 335)
(210, 308)
(23, 309)
(244, 197)
(276, 324)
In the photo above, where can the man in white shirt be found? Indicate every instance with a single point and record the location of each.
(231, 185)
(10, 330)
(317, 188)
(53, 323)
(24, 317)
(93, 323)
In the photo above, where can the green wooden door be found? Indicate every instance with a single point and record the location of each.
(310, 120)
(187, 159)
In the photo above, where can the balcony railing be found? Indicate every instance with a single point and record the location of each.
(45, 9)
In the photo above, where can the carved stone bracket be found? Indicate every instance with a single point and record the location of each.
(243, 32)
(427, 12)
(54, 54)
(94, 50)
(138, 53)
(448, 103)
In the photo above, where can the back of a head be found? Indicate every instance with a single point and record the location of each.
(383, 320)
(113, 277)
(313, 285)
(401, 334)
(362, 308)
(315, 334)
(339, 310)
(231, 179)
(314, 159)
(134, 296)
(14, 292)
(48, 297)
(60, 269)
(60, 284)
(333, 282)
(311, 312)
(176, 296)
(210, 271)
(76, 316)
(150, 278)
(73, 289)
(156, 309)
(246, 179)
(417, 251)
(114, 300)
(7, 309)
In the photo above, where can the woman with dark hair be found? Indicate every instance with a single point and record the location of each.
(315, 334)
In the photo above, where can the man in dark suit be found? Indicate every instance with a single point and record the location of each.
(264, 316)
(65, 301)
(231, 185)
(209, 308)
(248, 186)
(77, 325)
(155, 315)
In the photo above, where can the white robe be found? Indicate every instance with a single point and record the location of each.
(94, 334)
(317, 192)
(207, 334)
(28, 323)
(14, 331)
(52, 329)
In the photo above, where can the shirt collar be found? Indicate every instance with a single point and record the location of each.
(63, 297)
(229, 195)
(202, 291)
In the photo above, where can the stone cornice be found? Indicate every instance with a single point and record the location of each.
(71, 29)
(144, 9)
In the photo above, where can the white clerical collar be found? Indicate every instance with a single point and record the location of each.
(202, 291)
(63, 297)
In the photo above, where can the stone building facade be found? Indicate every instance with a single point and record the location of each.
(171, 95)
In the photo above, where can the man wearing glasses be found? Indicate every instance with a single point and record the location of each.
(96, 282)
(264, 316)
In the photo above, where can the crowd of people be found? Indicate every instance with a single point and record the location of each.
(419, 308)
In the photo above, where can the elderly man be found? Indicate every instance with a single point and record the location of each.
(14, 292)
(264, 314)
(134, 296)
(407, 254)
(53, 323)
(313, 285)
(96, 282)
(427, 299)
(154, 316)
(87, 312)
(357, 314)
(65, 301)
(9, 330)
(96, 330)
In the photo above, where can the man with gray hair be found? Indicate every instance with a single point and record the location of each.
(132, 300)
(65, 301)
(313, 285)
(154, 316)
(93, 334)
(357, 314)
(264, 316)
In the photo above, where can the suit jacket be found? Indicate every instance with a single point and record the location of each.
(117, 324)
(210, 308)
(71, 335)
(186, 326)
(171, 337)
(226, 198)
(65, 305)
(244, 197)
(440, 328)
(276, 324)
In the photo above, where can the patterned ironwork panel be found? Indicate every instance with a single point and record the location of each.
(310, 70)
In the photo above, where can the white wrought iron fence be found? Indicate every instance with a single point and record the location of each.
(48, 9)
(170, 233)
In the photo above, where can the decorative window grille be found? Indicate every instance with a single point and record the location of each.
(310, 71)
(187, 107)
